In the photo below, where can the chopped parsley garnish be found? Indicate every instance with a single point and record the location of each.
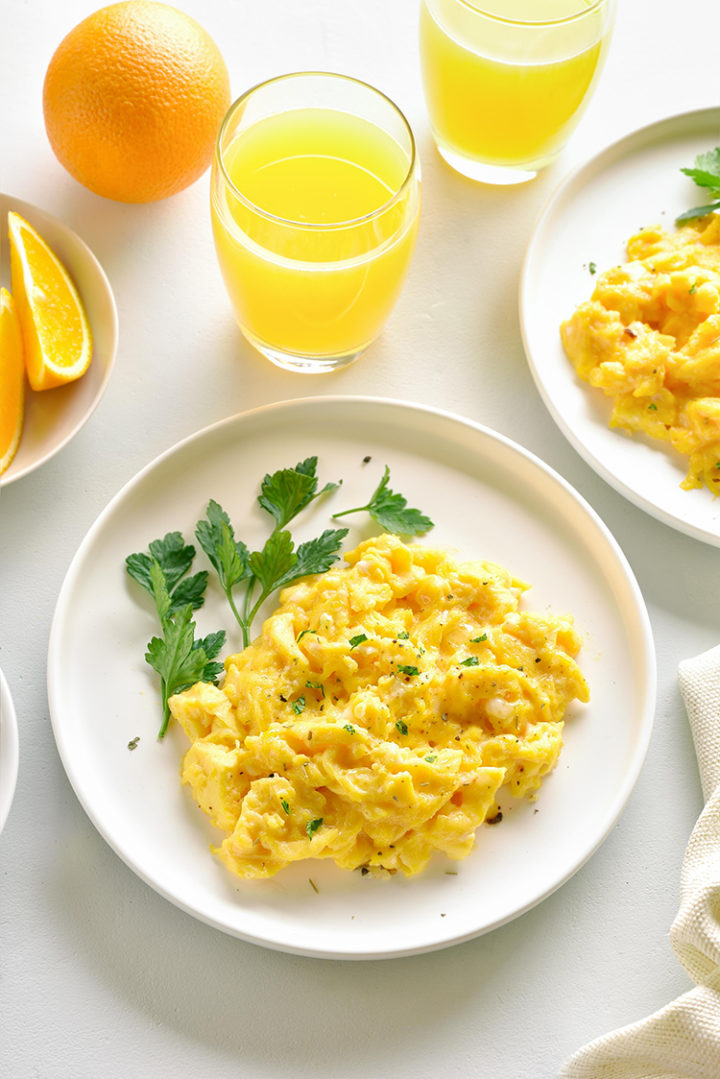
(431, 759)
(349, 727)
(480, 639)
(652, 407)
(592, 268)
(693, 288)
(298, 705)
(318, 686)
(312, 826)
(177, 656)
(706, 174)
(403, 635)
(133, 743)
(302, 633)
(401, 726)
(470, 661)
(408, 668)
(359, 638)
(391, 511)
(285, 805)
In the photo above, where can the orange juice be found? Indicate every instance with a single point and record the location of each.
(505, 80)
(314, 228)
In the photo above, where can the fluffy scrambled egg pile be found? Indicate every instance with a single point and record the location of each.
(379, 713)
(650, 339)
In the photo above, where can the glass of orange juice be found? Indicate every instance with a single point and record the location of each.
(506, 80)
(315, 196)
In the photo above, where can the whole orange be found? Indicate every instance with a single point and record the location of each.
(133, 99)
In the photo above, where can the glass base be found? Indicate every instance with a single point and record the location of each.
(307, 365)
(486, 174)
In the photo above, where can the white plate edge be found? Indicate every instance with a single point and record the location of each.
(9, 750)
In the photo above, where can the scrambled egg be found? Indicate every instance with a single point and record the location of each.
(379, 713)
(650, 339)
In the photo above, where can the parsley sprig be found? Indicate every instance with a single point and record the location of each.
(283, 494)
(246, 577)
(176, 655)
(706, 174)
(391, 511)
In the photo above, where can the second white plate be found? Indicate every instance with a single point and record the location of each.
(635, 182)
(490, 499)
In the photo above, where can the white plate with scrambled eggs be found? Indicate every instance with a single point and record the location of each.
(351, 785)
(636, 389)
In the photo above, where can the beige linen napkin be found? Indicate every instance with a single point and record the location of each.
(682, 1040)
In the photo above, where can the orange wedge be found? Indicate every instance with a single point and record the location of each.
(55, 330)
(12, 380)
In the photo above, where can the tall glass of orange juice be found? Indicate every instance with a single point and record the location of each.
(315, 196)
(506, 80)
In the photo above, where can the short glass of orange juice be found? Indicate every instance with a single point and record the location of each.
(315, 197)
(506, 80)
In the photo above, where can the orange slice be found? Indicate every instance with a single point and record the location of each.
(12, 380)
(55, 330)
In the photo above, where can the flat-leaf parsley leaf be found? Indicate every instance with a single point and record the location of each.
(283, 494)
(706, 174)
(391, 511)
(177, 657)
(288, 491)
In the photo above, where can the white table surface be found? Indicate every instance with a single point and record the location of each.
(99, 975)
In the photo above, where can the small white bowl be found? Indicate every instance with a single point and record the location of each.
(52, 417)
(8, 750)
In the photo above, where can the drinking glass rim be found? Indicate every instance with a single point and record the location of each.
(581, 13)
(320, 225)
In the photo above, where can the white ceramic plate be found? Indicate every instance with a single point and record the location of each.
(54, 416)
(632, 183)
(8, 750)
(490, 499)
